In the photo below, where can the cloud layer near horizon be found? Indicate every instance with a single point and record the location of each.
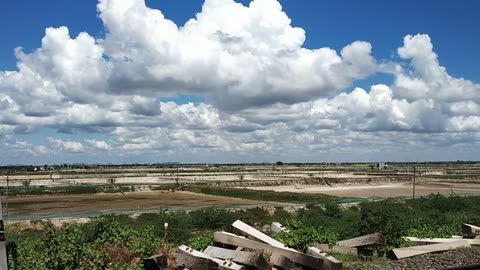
(264, 92)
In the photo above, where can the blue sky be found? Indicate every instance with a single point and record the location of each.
(451, 26)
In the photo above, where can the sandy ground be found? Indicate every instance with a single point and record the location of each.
(145, 179)
(58, 204)
(385, 190)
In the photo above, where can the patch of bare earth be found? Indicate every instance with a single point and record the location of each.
(40, 204)
(382, 190)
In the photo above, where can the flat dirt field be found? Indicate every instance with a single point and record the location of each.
(384, 190)
(47, 204)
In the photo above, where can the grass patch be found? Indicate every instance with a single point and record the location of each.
(264, 195)
(81, 189)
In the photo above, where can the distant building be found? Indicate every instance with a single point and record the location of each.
(381, 166)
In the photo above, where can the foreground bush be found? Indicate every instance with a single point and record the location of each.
(103, 244)
(121, 242)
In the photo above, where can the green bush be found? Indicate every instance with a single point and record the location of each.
(300, 237)
(212, 218)
(389, 217)
(103, 244)
(202, 241)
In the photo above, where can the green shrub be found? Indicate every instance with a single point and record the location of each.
(100, 245)
(202, 241)
(300, 237)
(389, 217)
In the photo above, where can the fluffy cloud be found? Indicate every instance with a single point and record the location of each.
(428, 79)
(100, 145)
(250, 57)
(69, 146)
(265, 94)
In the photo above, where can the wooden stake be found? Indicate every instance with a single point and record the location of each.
(414, 173)
(165, 239)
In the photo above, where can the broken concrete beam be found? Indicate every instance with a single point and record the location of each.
(407, 252)
(414, 241)
(254, 234)
(247, 258)
(470, 230)
(228, 265)
(329, 262)
(295, 256)
(338, 249)
(277, 228)
(189, 256)
(282, 262)
(374, 239)
(193, 259)
(159, 262)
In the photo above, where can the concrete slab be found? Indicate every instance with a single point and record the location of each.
(254, 234)
(329, 262)
(282, 262)
(414, 241)
(338, 249)
(407, 252)
(189, 256)
(193, 259)
(295, 256)
(470, 230)
(374, 239)
(247, 258)
(277, 228)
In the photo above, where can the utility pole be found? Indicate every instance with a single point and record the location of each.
(414, 173)
(6, 200)
(178, 178)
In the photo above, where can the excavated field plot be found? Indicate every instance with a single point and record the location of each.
(384, 190)
(42, 204)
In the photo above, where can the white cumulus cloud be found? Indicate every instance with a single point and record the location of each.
(263, 93)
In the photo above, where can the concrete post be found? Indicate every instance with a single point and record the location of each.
(3, 248)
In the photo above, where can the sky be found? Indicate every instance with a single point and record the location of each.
(135, 81)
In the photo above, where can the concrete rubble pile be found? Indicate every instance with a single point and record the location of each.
(249, 248)
(419, 246)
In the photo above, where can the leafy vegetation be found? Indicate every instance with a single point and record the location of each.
(202, 241)
(103, 244)
(120, 242)
(300, 237)
(78, 189)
